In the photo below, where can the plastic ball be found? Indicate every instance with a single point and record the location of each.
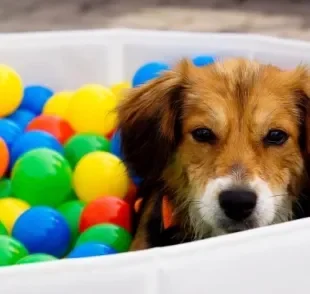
(35, 258)
(106, 210)
(120, 89)
(4, 157)
(90, 250)
(5, 188)
(42, 177)
(82, 144)
(3, 230)
(112, 235)
(11, 90)
(203, 60)
(92, 109)
(22, 118)
(54, 125)
(35, 97)
(100, 173)
(58, 104)
(131, 195)
(9, 131)
(10, 210)
(72, 212)
(11, 250)
(147, 72)
(43, 230)
(34, 140)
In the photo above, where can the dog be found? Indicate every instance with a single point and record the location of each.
(224, 146)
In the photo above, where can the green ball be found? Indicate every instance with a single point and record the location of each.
(34, 258)
(42, 177)
(72, 211)
(5, 188)
(112, 235)
(3, 230)
(82, 144)
(11, 250)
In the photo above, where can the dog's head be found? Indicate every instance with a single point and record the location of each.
(229, 139)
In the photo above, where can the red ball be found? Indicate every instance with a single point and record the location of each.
(54, 125)
(110, 135)
(106, 209)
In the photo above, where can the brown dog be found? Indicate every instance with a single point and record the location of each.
(225, 144)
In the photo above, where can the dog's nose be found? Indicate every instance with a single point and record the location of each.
(237, 204)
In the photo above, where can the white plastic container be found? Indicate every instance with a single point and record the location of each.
(266, 260)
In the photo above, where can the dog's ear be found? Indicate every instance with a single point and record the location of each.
(150, 122)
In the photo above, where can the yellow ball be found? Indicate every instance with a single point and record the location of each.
(92, 110)
(11, 90)
(58, 104)
(120, 89)
(10, 210)
(100, 174)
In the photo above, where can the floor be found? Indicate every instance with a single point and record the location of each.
(272, 17)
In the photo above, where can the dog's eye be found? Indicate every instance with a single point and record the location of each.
(275, 137)
(204, 135)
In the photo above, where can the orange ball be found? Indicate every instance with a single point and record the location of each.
(52, 124)
(4, 157)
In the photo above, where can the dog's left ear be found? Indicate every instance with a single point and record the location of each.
(150, 121)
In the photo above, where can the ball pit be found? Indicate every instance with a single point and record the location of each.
(64, 189)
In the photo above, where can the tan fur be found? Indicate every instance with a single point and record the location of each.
(240, 100)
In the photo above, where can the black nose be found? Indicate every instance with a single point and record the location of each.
(238, 204)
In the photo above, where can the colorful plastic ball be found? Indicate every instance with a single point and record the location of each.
(10, 210)
(112, 235)
(100, 173)
(148, 71)
(106, 210)
(22, 118)
(9, 131)
(33, 140)
(203, 60)
(5, 188)
(43, 230)
(54, 125)
(11, 90)
(35, 97)
(72, 212)
(42, 177)
(11, 250)
(90, 250)
(92, 109)
(35, 258)
(3, 230)
(120, 89)
(58, 104)
(4, 157)
(82, 144)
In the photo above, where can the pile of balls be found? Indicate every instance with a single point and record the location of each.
(64, 190)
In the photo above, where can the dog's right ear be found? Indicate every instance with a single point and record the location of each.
(150, 122)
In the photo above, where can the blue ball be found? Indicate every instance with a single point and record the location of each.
(9, 131)
(33, 140)
(203, 60)
(148, 72)
(22, 118)
(117, 151)
(91, 249)
(35, 97)
(43, 230)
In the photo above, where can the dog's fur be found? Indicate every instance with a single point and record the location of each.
(240, 101)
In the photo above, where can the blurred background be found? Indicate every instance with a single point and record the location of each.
(287, 18)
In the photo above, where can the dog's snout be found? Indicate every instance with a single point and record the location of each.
(238, 204)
